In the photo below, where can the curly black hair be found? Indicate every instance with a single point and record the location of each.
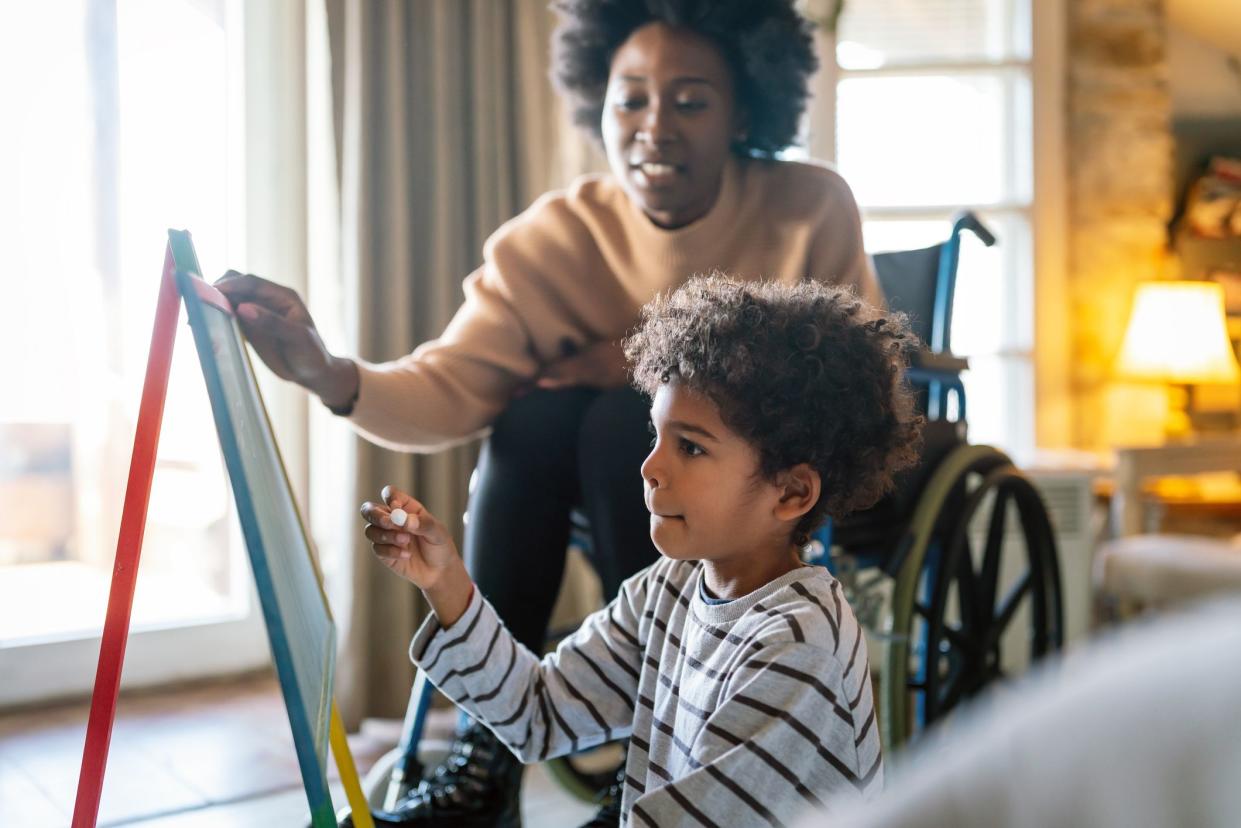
(806, 373)
(766, 43)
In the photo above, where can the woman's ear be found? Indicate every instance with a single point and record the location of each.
(800, 487)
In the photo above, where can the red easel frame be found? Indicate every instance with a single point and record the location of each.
(128, 549)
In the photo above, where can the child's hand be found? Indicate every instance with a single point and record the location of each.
(421, 551)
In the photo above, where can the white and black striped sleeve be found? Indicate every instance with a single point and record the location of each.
(581, 695)
(780, 739)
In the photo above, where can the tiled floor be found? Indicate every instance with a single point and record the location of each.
(219, 756)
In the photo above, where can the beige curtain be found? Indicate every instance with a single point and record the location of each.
(446, 126)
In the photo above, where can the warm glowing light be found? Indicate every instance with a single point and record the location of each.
(1177, 334)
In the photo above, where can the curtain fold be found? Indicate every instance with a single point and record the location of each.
(445, 126)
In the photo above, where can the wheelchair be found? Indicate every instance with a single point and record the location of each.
(955, 574)
(954, 592)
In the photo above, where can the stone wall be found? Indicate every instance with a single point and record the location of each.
(1120, 200)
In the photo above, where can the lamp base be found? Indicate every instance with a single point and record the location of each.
(1185, 421)
(1177, 425)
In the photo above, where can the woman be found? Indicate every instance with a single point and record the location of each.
(692, 101)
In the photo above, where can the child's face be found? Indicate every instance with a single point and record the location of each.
(702, 484)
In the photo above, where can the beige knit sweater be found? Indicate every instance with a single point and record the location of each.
(577, 267)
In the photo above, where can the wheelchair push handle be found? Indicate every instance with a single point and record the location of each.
(967, 220)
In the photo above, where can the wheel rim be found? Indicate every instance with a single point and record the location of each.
(583, 782)
(963, 658)
(941, 489)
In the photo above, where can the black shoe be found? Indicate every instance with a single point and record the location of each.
(478, 785)
(609, 813)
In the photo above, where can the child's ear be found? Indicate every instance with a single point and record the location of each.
(799, 491)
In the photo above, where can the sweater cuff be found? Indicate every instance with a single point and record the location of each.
(432, 639)
(367, 395)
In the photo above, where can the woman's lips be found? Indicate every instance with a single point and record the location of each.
(655, 174)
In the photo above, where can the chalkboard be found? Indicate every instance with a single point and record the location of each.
(299, 621)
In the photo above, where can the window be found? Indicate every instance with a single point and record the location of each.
(933, 115)
(122, 119)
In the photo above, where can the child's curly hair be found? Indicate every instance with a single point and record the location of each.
(805, 373)
(768, 46)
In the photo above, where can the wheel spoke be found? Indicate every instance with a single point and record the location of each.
(990, 575)
(957, 637)
(1008, 608)
(967, 586)
(954, 689)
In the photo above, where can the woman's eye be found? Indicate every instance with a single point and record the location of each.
(630, 104)
(691, 106)
(690, 448)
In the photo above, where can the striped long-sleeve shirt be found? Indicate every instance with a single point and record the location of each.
(741, 713)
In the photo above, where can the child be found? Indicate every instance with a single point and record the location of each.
(738, 673)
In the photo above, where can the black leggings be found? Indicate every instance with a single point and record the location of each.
(548, 452)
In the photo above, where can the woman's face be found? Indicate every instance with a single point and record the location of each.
(669, 120)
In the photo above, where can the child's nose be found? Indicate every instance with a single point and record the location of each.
(651, 474)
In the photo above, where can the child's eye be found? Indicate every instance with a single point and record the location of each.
(630, 104)
(690, 448)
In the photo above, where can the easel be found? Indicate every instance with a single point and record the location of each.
(125, 571)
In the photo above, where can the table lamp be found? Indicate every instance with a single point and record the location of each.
(1177, 335)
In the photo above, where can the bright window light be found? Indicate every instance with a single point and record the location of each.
(125, 131)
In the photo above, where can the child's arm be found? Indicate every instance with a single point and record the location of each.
(581, 695)
(787, 738)
(420, 550)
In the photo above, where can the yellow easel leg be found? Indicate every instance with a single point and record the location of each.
(348, 771)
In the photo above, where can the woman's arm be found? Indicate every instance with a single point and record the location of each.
(282, 332)
(445, 392)
(520, 305)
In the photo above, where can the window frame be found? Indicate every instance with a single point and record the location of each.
(1045, 212)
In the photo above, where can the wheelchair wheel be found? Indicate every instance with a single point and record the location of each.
(375, 784)
(587, 775)
(972, 600)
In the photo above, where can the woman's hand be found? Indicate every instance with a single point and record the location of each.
(601, 365)
(421, 551)
(276, 322)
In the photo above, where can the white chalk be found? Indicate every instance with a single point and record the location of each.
(398, 517)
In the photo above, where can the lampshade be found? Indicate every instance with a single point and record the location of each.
(1177, 334)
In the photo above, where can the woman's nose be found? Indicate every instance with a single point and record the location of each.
(657, 126)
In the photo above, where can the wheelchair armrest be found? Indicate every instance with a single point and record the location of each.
(940, 374)
(932, 362)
